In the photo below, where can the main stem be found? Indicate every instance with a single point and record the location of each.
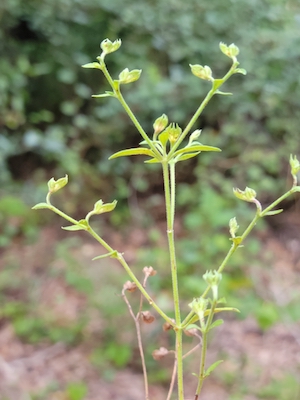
(169, 188)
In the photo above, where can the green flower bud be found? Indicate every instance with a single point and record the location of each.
(233, 227)
(194, 136)
(202, 72)
(213, 278)
(173, 131)
(230, 51)
(109, 47)
(54, 185)
(247, 195)
(127, 76)
(160, 124)
(295, 167)
(100, 207)
(199, 305)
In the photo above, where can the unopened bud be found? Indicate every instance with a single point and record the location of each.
(230, 51)
(100, 207)
(247, 195)
(127, 76)
(202, 72)
(233, 227)
(55, 186)
(109, 47)
(160, 124)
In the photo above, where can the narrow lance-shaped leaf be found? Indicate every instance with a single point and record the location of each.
(82, 225)
(133, 152)
(195, 148)
(212, 367)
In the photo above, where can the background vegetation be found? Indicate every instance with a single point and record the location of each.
(50, 126)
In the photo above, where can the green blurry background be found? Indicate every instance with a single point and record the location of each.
(50, 126)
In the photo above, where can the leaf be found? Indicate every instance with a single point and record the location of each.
(195, 148)
(39, 206)
(82, 225)
(224, 93)
(217, 83)
(275, 212)
(215, 324)
(106, 94)
(133, 152)
(193, 326)
(236, 240)
(112, 254)
(92, 65)
(152, 161)
(217, 310)
(212, 367)
(187, 156)
(240, 71)
(164, 137)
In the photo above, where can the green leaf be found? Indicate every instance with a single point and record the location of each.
(215, 324)
(275, 212)
(195, 148)
(92, 65)
(112, 254)
(106, 94)
(164, 137)
(82, 225)
(187, 156)
(224, 93)
(212, 367)
(217, 310)
(217, 83)
(193, 326)
(39, 206)
(133, 152)
(152, 161)
(240, 71)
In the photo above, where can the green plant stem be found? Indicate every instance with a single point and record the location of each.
(121, 260)
(116, 88)
(169, 189)
(234, 245)
(202, 375)
(200, 109)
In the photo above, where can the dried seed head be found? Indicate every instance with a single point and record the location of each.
(191, 332)
(147, 317)
(167, 326)
(130, 286)
(149, 271)
(160, 353)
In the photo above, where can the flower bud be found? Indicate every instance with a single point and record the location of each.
(109, 47)
(247, 195)
(160, 124)
(233, 227)
(100, 207)
(295, 166)
(173, 131)
(213, 278)
(230, 51)
(127, 76)
(54, 185)
(194, 136)
(202, 72)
